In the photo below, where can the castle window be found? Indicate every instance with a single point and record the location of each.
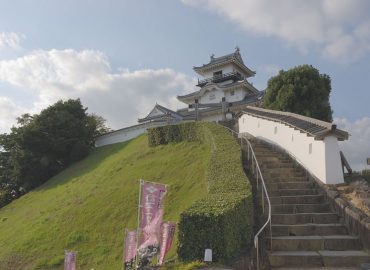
(217, 73)
(232, 93)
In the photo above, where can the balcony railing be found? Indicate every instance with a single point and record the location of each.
(235, 76)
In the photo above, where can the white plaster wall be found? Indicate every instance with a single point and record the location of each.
(212, 118)
(123, 134)
(219, 94)
(322, 161)
(239, 94)
(333, 162)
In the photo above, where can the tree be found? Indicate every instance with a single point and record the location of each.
(301, 90)
(44, 144)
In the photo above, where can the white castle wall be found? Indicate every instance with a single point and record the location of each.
(320, 157)
(212, 118)
(217, 96)
(124, 134)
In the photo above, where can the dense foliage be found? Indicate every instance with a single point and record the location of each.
(44, 144)
(223, 219)
(301, 90)
(173, 134)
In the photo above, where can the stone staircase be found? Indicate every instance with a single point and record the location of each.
(306, 233)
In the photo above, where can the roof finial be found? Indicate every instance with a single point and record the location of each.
(237, 49)
(212, 56)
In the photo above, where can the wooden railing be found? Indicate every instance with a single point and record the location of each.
(222, 77)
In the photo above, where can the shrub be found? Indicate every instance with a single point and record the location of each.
(173, 134)
(223, 219)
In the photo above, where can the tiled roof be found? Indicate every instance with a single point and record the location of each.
(232, 57)
(166, 113)
(313, 127)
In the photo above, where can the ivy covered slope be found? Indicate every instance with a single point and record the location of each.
(87, 207)
(223, 219)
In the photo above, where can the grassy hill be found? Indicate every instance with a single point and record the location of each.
(87, 207)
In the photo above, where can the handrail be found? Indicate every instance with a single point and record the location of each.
(259, 176)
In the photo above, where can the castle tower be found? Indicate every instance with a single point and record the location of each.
(223, 77)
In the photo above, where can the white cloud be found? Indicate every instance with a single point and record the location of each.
(120, 97)
(269, 69)
(357, 148)
(338, 28)
(10, 40)
(9, 111)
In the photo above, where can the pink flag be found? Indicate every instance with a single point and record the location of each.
(150, 202)
(150, 220)
(167, 235)
(130, 250)
(151, 232)
(69, 260)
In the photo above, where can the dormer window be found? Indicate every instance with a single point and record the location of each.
(217, 74)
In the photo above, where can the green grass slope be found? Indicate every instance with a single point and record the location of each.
(87, 207)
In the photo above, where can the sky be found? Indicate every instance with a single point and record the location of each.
(120, 57)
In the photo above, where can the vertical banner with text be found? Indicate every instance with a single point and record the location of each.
(130, 250)
(150, 220)
(69, 260)
(167, 235)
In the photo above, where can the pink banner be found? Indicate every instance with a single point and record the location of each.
(150, 202)
(167, 235)
(150, 220)
(130, 246)
(151, 232)
(69, 261)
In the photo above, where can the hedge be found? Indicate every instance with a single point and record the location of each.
(223, 219)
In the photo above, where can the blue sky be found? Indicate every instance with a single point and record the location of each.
(120, 57)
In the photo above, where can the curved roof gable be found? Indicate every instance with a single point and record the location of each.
(234, 57)
(160, 112)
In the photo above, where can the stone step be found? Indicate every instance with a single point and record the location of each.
(300, 208)
(276, 165)
(344, 258)
(299, 259)
(295, 258)
(300, 199)
(290, 185)
(315, 242)
(308, 229)
(272, 159)
(291, 192)
(263, 151)
(289, 172)
(304, 218)
(261, 147)
(317, 268)
(281, 179)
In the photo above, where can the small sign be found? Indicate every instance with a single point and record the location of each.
(368, 161)
(208, 255)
